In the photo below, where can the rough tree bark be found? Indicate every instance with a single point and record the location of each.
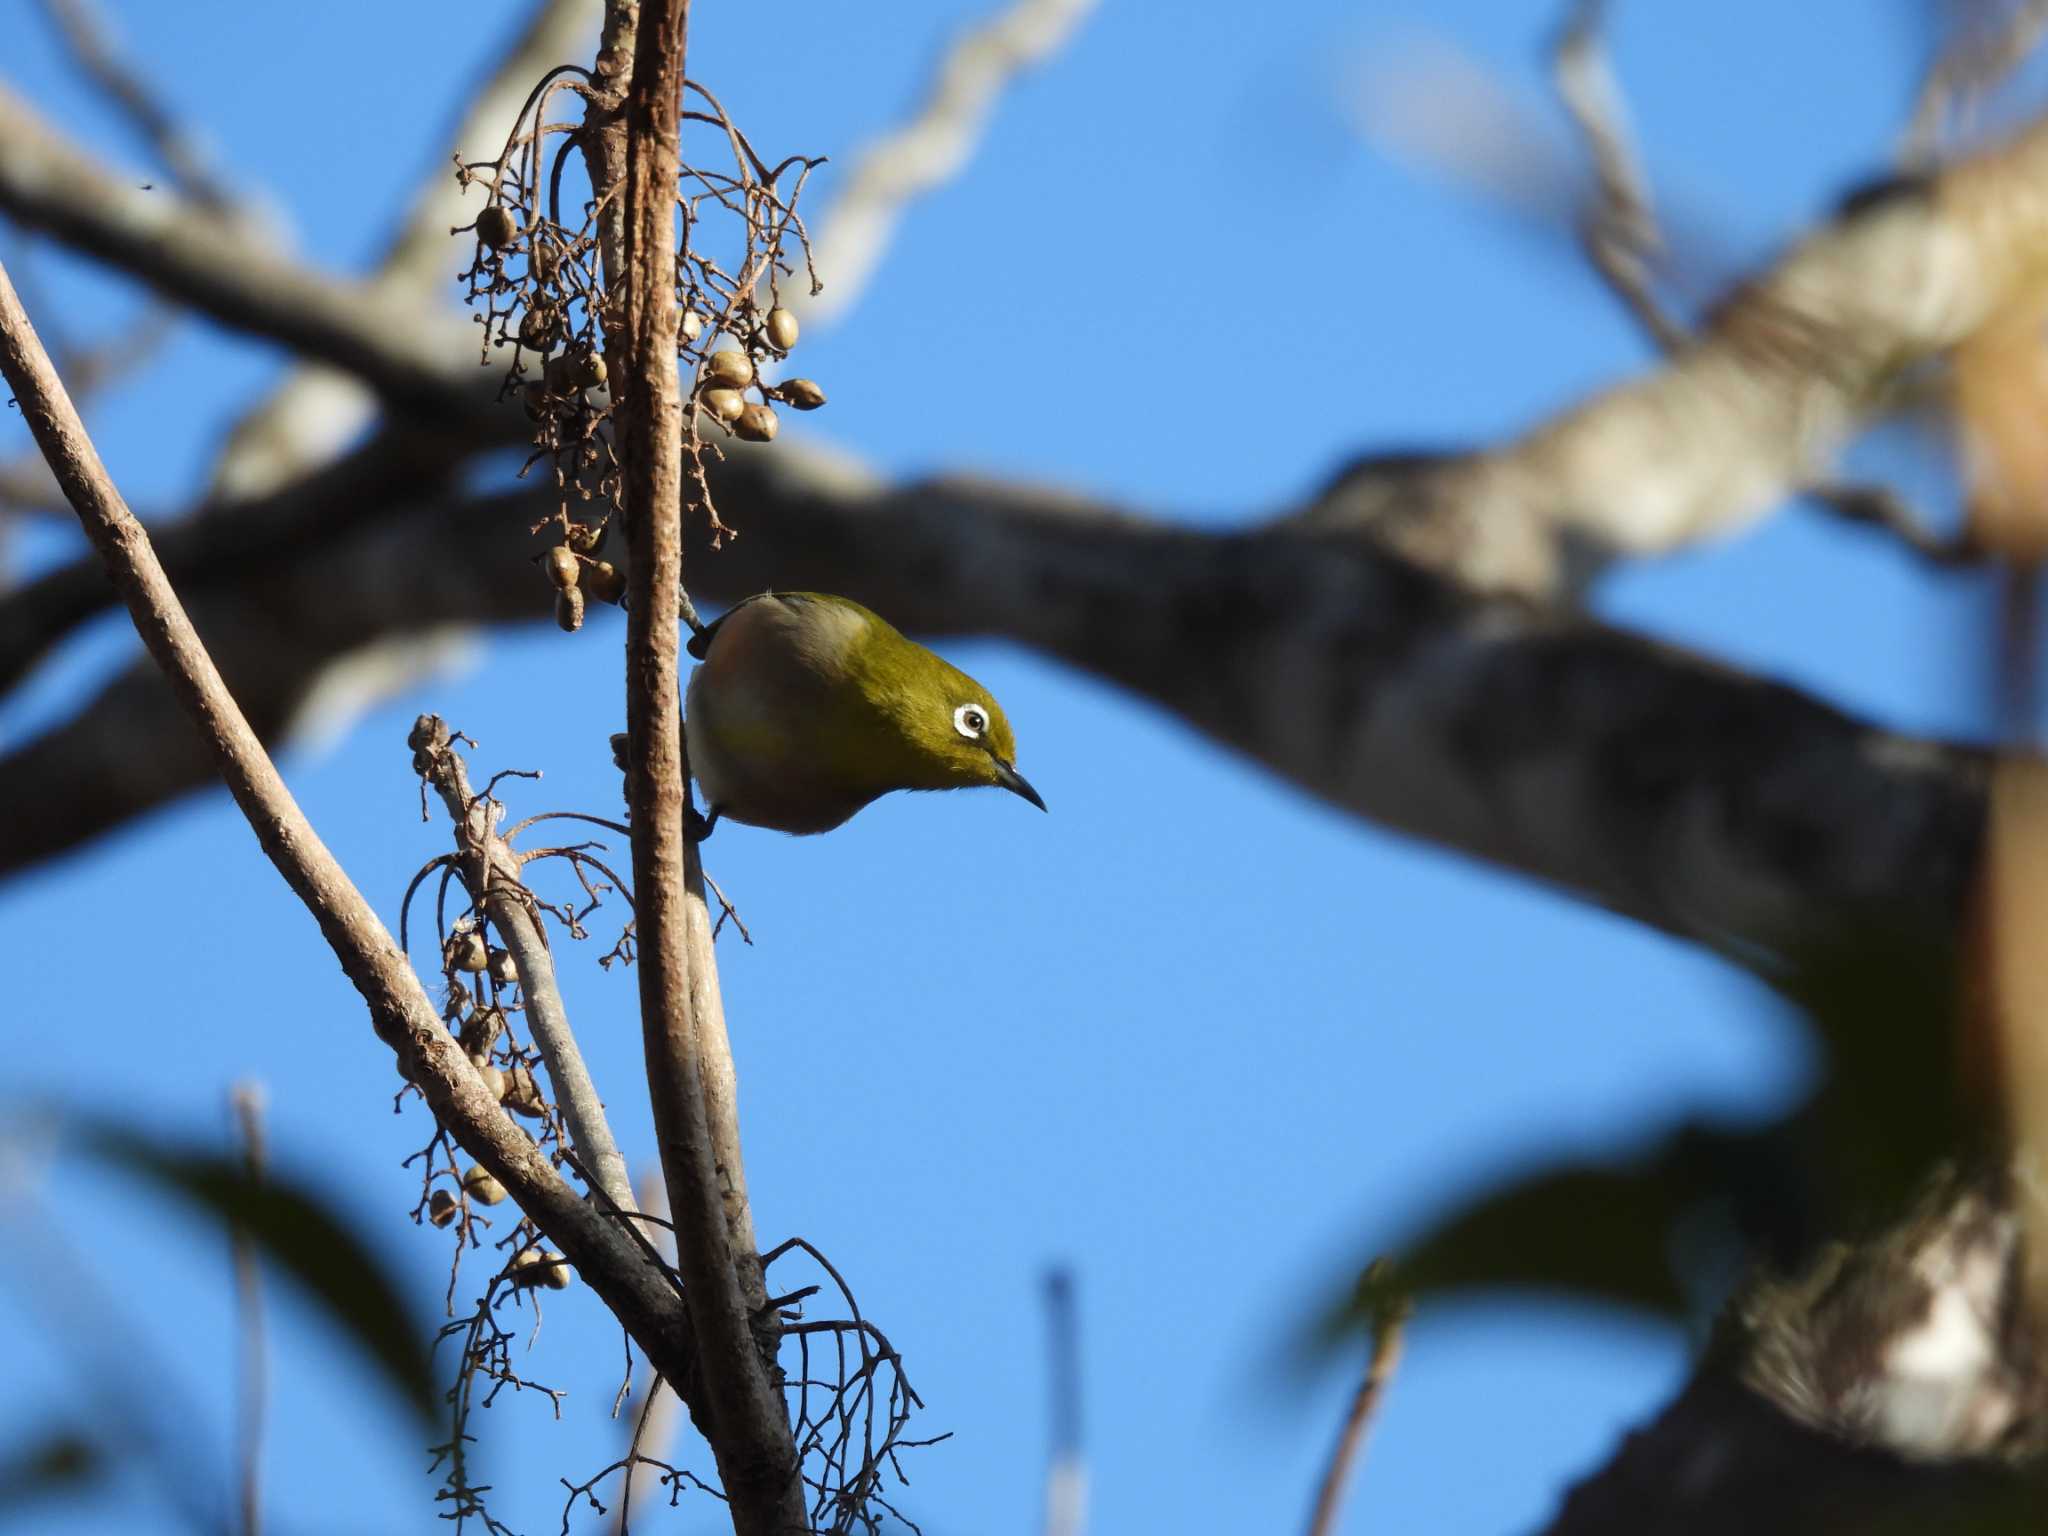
(635, 165)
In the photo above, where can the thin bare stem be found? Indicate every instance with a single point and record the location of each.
(246, 1099)
(491, 868)
(1964, 72)
(1619, 232)
(1066, 1471)
(655, 1426)
(689, 1062)
(1388, 1327)
(933, 144)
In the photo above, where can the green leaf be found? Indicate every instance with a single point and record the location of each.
(300, 1233)
(1601, 1233)
(62, 1460)
(1612, 1232)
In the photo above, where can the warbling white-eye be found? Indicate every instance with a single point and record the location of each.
(807, 707)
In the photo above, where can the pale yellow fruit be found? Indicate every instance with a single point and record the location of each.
(563, 568)
(725, 404)
(569, 610)
(804, 394)
(481, 1187)
(729, 366)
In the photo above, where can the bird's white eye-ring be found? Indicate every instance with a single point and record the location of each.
(970, 720)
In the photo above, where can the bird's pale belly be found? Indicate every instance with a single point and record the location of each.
(753, 774)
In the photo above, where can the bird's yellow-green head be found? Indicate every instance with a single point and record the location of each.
(809, 706)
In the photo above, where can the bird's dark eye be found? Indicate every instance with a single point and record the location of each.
(970, 721)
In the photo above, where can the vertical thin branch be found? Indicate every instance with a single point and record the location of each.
(682, 1018)
(491, 869)
(246, 1099)
(1066, 1471)
(654, 1427)
(1967, 70)
(1619, 233)
(1390, 1322)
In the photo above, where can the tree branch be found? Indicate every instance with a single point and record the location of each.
(1388, 1331)
(930, 148)
(1664, 786)
(1784, 372)
(689, 1064)
(491, 870)
(409, 355)
(1722, 1458)
(315, 409)
(92, 46)
(635, 1289)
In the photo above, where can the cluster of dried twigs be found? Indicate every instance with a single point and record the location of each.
(849, 1399)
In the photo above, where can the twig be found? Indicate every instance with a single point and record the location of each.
(1619, 233)
(933, 146)
(1968, 69)
(1881, 507)
(1389, 1324)
(727, 910)
(491, 869)
(661, 1410)
(246, 1099)
(1066, 1471)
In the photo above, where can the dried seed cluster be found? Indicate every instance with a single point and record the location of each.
(729, 371)
(537, 281)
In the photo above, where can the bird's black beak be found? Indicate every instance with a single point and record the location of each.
(1015, 782)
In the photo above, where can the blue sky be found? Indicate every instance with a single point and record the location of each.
(1206, 1041)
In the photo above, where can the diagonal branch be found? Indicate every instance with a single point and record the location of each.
(491, 870)
(409, 355)
(86, 34)
(1662, 785)
(1967, 69)
(1782, 375)
(316, 409)
(631, 1285)
(930, 149)
(1620, 231)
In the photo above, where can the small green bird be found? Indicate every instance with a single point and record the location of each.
(807, 707)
